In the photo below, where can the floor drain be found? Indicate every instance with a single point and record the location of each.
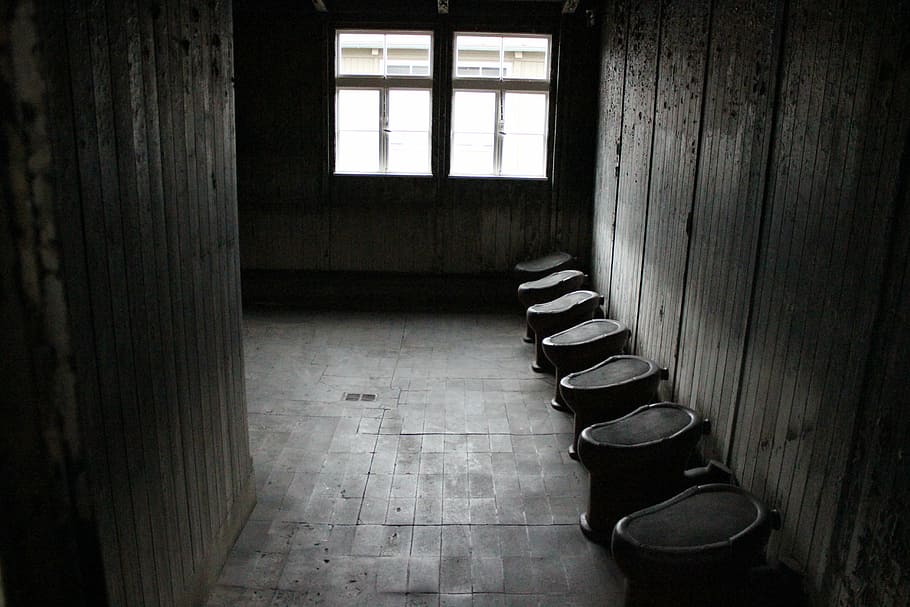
(358, 396)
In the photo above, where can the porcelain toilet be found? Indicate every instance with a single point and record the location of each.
(551, 317)
(610, 389)
(547, 289)
(636, 461)
(696, 548)
(532, 269)
(583, 346)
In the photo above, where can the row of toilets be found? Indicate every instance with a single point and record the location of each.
(680, 537)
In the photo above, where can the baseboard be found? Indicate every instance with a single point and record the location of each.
(199, 586)
(367, 291)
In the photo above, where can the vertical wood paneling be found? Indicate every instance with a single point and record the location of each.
(635, 161)
(153, 283)
(49, 534)
(871, 547)
(799, 174)
(726, 214)
(677, 122)
(609, 142)
(106, 455)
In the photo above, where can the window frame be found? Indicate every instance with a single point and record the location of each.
(500, 86)
(384, 84)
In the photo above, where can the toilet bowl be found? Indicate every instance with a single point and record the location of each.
(582, 346)
(547, 289)
(695, 548)
(610, 389)
(532, 269)
(551, 317)
(636, 461)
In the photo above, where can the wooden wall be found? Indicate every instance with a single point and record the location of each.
(141, 113)
(295, 215)
(49, 549)
(750, 169)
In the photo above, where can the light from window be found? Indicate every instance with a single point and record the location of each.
(383, 102)
(500, 105)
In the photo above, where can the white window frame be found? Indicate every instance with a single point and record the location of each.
(500, 86)
(383, 84)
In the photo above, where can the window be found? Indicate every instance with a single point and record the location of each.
(500, 105)
(383, 101)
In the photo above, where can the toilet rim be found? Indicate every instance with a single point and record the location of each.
(620, 328)
(564, 276)
(588, 295)
(763, 516)
(694, 421)
(653, 368)
(539, 264)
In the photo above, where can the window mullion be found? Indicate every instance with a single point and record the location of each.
(384, 129)
(497, 140)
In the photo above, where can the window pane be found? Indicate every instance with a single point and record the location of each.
(409, 152)
(473, 128)
(357, 124)
(525, 113)
(357, 151)
(358, 109)
(409, 131)
(477, 56)
(473, 112)
(360, 54)
(409, 54)
(409, 110)
(472, 154)
(523, 155)
(526, 58)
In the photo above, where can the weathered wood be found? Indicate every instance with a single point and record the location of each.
(799, 176)
(635, 162)
(143, 117)
(614, 51)
(739, 93)
(675, 150)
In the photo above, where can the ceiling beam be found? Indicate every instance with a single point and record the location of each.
(569, 7)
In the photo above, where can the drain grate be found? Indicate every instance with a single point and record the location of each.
(353, 396)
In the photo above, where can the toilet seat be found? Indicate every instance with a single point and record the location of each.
(705, 531)
(554, 316)
(609, 390)
(635, 461)
(581, 347)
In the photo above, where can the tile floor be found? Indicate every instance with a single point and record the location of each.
(408, 459)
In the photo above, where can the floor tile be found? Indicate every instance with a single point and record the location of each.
(450, 487)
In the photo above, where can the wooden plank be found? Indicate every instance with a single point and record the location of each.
(122, 412)
(835, 155)
(677, 122)
(780, 302)
(225, 381)
(610, 128)
(140, 325)
(195, 438)
(213, 253)
(739, 93)
(152, 242)
(159, 93)
(869, 218)
(635, 165)
(83, 286)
